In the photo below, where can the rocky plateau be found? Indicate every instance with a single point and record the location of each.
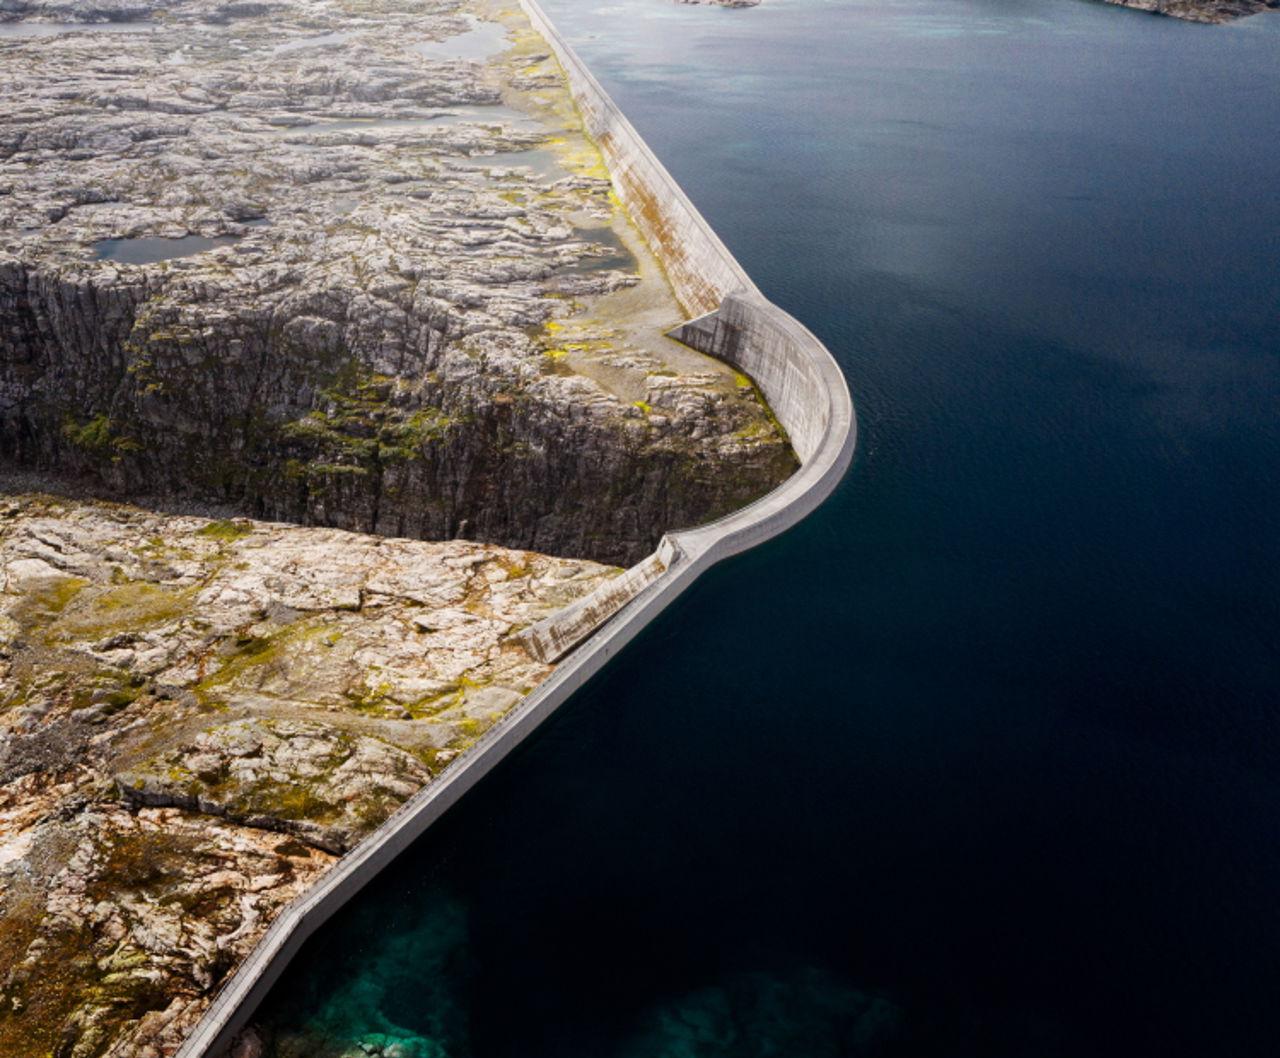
(348, 263)
(197, 717)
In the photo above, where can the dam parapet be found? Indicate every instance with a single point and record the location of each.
(551, 639)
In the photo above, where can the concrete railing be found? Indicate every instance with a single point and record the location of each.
(807, 393)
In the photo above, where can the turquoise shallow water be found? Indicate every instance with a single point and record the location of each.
(982, 758)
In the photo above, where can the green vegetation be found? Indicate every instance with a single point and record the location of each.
(129, 606)
(226, 530)
(46, 602)
(515, 570)
(243, 657)
(92, 436)
(97, 437)
(297, 801)
(360, 430)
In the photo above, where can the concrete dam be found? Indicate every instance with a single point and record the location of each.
(729, 319)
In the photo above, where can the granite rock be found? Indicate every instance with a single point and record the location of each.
(197, 717)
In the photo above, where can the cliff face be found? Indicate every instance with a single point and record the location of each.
(196, 718)
(332, 406)
(414, 306)
(1201, 10)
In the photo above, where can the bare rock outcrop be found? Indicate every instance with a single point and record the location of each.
(1201, 10)
(723, 3)
(196, 718)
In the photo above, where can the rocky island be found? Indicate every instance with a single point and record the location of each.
(724, 3)
(353, 266)
(1215, 11)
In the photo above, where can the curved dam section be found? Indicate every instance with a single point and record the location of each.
(731, 320)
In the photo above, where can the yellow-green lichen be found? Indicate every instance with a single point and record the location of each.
(226, 530)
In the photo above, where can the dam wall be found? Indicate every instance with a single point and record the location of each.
(767, 344)
(734, 321)
(552, 638)
(701, 269)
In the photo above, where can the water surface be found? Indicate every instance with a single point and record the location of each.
(55, 29)
(608, 249)
(541, 162)
(151, 248)
(481, 40)
(981, 760)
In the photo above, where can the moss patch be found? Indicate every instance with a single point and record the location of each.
(130, 606)
(226, 530)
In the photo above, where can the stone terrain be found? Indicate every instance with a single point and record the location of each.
(196, 718)
(1216, 11)
(416, 308)
(723, 3)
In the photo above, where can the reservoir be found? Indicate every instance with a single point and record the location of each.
(983, 759)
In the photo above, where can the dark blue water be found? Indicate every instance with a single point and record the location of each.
(984, 758)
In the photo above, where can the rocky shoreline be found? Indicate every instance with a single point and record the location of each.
(1211, 11)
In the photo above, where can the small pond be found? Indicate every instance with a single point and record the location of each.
(482, 40)
(315, 42)
(617, 257)
(482, 115)
(542, 162)
(151, 248)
